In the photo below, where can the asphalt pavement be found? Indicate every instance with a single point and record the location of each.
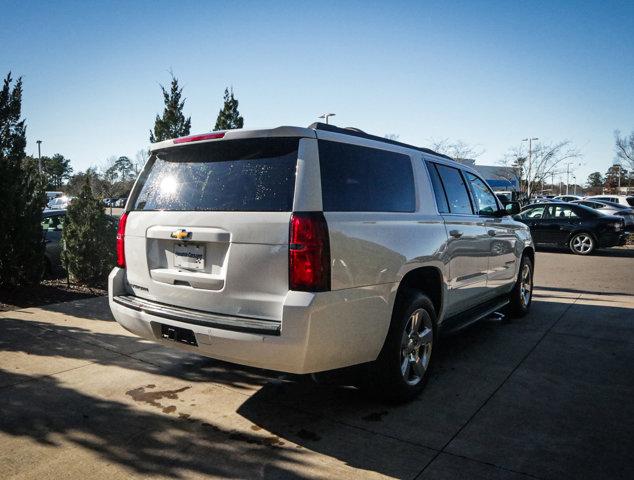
(546, 397)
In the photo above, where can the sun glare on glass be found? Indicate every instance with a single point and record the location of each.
(168, 185)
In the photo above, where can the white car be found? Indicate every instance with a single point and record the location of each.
(60, 203)
(310, 249)
(625, 200)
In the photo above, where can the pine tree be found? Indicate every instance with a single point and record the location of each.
(229, 117)
(173, 123)
(22, 196)
(89, 240)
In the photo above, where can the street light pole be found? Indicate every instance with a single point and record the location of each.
(39, 155)
(326, 116)
(530, 154)
(567, 178)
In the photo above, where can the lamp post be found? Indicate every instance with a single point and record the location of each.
(39, 155)
(326, 116)
(528, 171)
(568, 174)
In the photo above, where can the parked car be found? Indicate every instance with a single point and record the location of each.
(52, 228)
(310, 249)
(610, 208)
(625, 200)
(566, 198)
(577, 227)
(60, 203)
(52, 225)
(50, 195)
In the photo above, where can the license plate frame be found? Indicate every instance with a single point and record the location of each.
(189, 256)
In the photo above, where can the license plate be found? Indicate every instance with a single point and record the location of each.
(177, 334)
(189, 256)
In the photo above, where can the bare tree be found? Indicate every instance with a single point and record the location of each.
(546, 159)
(624, 148)
(457, 150)
(140, 160)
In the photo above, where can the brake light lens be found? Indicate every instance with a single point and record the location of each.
(121, 240)
(309, 252)
(197, 138)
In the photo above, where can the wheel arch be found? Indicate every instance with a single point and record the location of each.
(583, 230)
(530, 253)
(428, 280)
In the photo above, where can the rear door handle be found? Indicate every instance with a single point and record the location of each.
(455, 233)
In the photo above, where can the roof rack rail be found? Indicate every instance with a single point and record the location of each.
(355, 132)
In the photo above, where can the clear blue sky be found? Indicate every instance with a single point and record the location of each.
(489, 73)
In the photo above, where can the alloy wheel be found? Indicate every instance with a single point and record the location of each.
(416, 346)
(581, 243)
(526, 285)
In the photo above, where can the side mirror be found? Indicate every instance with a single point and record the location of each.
(512, 208)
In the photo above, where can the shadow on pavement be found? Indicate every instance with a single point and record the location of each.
(582, 292)
(44, 339)
(624, 252)
(568, 393)
(140, 441)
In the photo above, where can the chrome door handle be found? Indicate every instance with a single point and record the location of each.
(491, 233)
(455, 233)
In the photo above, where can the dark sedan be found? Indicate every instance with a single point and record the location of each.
(577, 227)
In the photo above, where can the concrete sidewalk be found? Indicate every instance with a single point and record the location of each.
(549, 396)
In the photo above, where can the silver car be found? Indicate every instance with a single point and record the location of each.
(310, 249)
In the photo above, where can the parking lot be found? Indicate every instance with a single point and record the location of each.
(548, 396)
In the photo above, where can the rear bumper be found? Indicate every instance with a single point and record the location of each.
(612, 239)
(195, 317)
(317, 331)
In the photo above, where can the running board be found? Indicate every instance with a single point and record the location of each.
(456, 323)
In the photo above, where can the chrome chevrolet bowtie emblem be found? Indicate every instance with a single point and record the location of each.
(181, 234)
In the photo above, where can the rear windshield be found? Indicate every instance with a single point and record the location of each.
(255, 175)
(630, 201)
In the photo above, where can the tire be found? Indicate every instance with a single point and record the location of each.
(522, 294)
(402, 368)
(582, 243)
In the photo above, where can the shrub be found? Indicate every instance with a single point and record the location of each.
(89, 240)
(22, 197)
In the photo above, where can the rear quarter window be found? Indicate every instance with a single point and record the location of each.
(234, 175)
(362, 179)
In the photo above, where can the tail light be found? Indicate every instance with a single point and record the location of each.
(121, 240)
(309, 252)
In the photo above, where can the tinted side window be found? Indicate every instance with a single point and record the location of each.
(439, 191)
(533, 213)
(361, 179)
(485, 200)
(456, 189)
(564, 212)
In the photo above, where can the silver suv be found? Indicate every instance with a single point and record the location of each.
(311, 249)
